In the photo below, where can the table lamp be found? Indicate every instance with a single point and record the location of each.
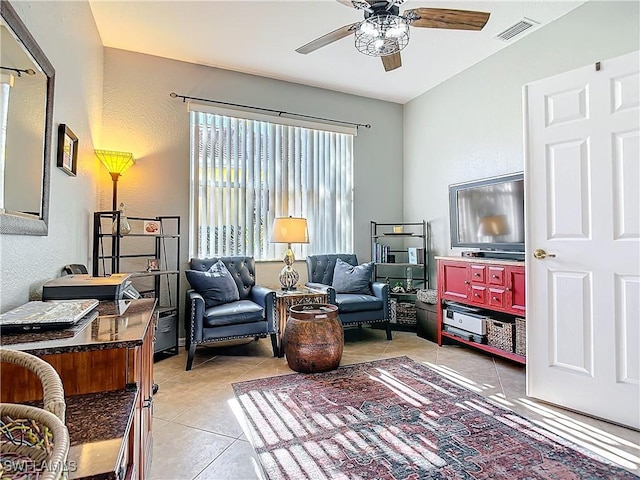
(289, 230)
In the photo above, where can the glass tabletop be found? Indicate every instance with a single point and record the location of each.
(300, 291)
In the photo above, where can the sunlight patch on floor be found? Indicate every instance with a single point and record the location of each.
(400, 388)
(457, 378)
(501, 399)
(239, 414)
(584, 435)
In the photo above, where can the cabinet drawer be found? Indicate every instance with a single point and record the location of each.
(478, 274)
(478, 294)
(497, 297)
(166, 331)
(496, 275)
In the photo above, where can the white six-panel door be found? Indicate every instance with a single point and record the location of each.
(582, 174)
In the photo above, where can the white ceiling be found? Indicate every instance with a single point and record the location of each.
(260, 37)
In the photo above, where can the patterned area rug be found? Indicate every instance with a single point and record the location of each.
(398, 419)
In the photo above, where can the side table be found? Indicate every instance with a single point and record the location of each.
(286, 299)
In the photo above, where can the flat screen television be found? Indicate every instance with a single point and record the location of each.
(488, 215)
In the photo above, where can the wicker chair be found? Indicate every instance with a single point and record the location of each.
(16, 417)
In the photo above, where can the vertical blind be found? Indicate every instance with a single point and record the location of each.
(246, 172)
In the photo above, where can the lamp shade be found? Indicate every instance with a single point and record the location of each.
(289, 230)
(116, 162)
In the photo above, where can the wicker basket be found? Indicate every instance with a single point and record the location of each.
(427, 296)
(406, 313)
(32, 438)
(521, 336)
(501, 334)
(392, 310)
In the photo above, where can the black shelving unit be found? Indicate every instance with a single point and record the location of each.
(390, 252)
(131, 253)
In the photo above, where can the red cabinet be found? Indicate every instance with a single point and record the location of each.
(453, 281)
(516, 290)
(490, 284)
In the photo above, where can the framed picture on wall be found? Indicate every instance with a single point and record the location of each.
(67, 150)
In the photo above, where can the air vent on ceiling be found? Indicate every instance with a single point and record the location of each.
(516, 29)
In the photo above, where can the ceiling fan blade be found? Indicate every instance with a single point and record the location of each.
(391, 62)
(392, 3)
(328, 38)
(445, 18)
(357, 4)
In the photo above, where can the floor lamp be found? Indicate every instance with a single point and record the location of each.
(116, 163)
(289, 230)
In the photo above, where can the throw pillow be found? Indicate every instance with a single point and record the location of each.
(216, 286)
(350, 279)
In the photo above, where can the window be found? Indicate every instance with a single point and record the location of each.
(247, 171)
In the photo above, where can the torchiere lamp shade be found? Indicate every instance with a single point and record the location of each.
(116, 163)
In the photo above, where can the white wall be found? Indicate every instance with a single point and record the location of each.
(471, 126)
(67, 34)
(140, 117)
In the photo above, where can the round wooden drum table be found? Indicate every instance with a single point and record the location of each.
(313, 338)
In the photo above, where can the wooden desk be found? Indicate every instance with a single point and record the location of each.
(106, 367)
(285, 300)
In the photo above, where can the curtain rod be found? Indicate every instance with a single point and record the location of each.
(279, 112)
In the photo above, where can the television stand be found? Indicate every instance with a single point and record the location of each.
(497, 254)
(492, 286)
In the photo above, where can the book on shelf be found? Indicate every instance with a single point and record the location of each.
(381, 253)
(415, 255)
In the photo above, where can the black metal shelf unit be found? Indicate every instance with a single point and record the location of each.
(152, 259)
(396, 247)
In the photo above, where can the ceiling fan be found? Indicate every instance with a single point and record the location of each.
(384, 32)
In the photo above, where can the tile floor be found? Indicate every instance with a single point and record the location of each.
(196, 435)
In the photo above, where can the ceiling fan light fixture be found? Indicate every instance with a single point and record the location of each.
(369, 29)
(382, 35)
(396, 31)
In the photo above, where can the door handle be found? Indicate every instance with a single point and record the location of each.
(540, 254)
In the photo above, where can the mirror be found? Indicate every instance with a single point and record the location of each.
(26, 112)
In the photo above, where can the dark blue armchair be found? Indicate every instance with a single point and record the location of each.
(353, 309)
(251, 316)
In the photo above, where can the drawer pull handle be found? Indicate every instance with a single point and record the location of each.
(477, 295)
(496, 299)
(466, 282)
(508, 289)
(494, 276)
(476, 274)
